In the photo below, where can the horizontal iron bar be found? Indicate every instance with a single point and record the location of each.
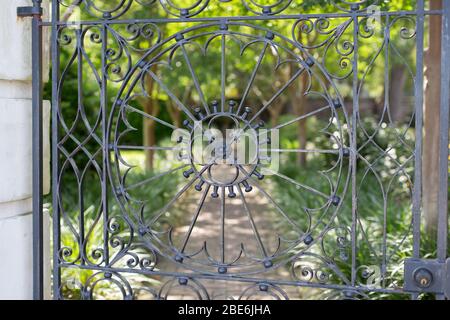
(237, 279)
(240, 18)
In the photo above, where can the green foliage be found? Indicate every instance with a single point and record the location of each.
(375, 230)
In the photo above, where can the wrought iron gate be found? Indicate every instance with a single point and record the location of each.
(111, 235)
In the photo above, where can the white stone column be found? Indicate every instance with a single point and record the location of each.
(15, 153)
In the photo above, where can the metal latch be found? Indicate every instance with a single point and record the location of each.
(430, 276)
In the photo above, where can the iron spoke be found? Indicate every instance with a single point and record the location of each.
(143, 182)
(309, 114)
(253, 76)
(194, 219)
(252, 223)
(278, 93)
(271, 200)
(298, 184)
(146, 115)
(195, 79)
(177, 196)
(172, 95)
(222, 225)
(224, 71)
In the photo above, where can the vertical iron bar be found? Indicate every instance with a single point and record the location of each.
(418, 151)
(419, 85)
(55, 151)
(81, 221)
(387, 106)
(104, 108)
(222, 225)
(444, 140)
(354, 147)
(38, 245)
(223, 78)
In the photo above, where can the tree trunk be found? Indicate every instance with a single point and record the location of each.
(275, 112)
(175, 111)
(299, 101)
(397, 105)
(431, 121)
(302, 124)
(151, 107)
(175, 114)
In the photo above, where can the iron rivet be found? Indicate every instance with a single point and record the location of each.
(184, 12)
(108, 275)
(248, 188)
(348, 294)
(199, 186)
(183, 281)
(143, 231)
(346, 152)
(258, 175)
(270, 35)
(199, 113)
(222, 270)
(310, 62)
(267, 10)
(337, 104)
(268, 264)
(263, 287)
(308, 240)
(215, 104)
(107, 15)
(179, 37)
(355, 7)
(188, 173)
(231, 193)
(247, 111)
(215, 193)
(232, 104)
(179, 259)
(187, 124)
(335, 200)
(259, 125)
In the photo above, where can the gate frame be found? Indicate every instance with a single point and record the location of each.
(420, 275)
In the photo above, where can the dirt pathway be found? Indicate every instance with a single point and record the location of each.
(238, 231)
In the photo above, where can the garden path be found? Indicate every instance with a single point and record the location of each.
(238, 229)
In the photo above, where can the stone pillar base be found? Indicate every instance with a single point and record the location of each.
(16, 247)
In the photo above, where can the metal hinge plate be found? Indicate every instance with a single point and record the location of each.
(430, 276)
(29, 11)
